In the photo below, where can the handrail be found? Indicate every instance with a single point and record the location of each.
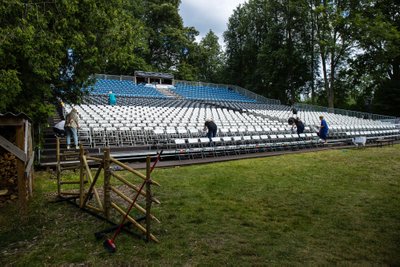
(236, 88)
(352, 113)
(262, 99)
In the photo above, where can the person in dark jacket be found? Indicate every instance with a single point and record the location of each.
(299, 125)
(59, 129)
(211, 127)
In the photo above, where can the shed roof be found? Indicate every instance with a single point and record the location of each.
(154, 74)
(10, 116)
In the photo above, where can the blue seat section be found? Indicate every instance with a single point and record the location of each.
(125, 88)
(198, 92)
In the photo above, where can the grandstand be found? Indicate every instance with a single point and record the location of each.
(210, 93)
(125, 89)
(150, 117)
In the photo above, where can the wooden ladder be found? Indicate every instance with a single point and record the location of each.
(67, 160)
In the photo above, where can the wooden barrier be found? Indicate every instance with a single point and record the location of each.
(114, 197)
(16, 159)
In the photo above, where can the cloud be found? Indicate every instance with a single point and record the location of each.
(207, 15)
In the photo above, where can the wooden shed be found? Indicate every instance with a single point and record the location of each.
(153, 77)
(16, 158)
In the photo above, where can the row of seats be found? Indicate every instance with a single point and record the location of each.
(130, 136)
(130, 125)
(125, 89)
(125, 136)
(174, 116)
(228, 145)
(209, 93)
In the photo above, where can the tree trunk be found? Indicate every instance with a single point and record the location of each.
(312, 61)
(331, 96)
(395, 75)
(325, 72)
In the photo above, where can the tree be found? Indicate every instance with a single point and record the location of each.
(377, 30)
(210, 59)
(166, 34)
(266, 48)
(124, 45)
(50, 49)
(334, 40)
(188, 66)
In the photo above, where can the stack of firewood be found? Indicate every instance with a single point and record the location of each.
(8, 178)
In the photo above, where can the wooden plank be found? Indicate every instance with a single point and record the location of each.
(93, 208)
(81, 178)
(11, 122)
(28, 168)
(70, 182)
(148, 200)
(58, 167)
(89, 175)
(127, 183)
(26, 137)
(107, 178)
(69, 193)
(91, 186)
(22, 193)
(94, 158)
(32, 153)
(16, 150)
(141, 175)
(133, 221)
(134, 187)
(142, 210)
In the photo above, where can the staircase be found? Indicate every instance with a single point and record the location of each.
(48, 153)
(163, 89)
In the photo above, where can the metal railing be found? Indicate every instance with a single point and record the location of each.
(351, 113)
(115, 77)
(235, 88)
(265, 100)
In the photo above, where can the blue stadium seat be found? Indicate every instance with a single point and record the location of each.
(124, 88)
(209, 93)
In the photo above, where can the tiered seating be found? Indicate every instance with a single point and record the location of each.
(177, 126)
(144, 117)
(199, 92)
(125, 89)
(340, 126)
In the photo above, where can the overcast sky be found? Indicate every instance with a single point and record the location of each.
(208, 14)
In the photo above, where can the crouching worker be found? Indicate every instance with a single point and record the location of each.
(296, 122)
(212, 129)
(299, 125)
(59, 129)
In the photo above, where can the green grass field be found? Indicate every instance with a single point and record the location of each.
(319, 208)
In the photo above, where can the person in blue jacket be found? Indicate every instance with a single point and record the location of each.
(112, 100)
(323, 129)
